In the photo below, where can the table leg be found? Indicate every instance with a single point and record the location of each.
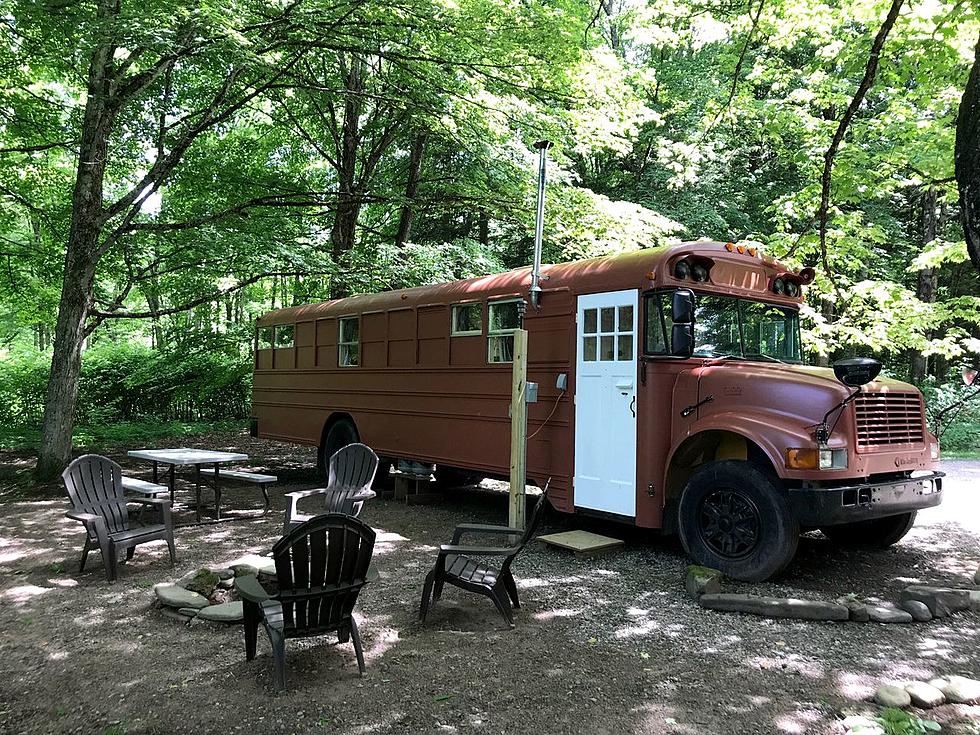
(217, 493)
(154, 473)
(170, 481)
(197, 490)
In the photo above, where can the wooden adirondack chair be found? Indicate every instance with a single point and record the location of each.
(321, 566)
(455, 565)
(95, 488)
(351, 472)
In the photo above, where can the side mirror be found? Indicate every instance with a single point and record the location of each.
(857, 371)
(682, 340)
(682, 306)
(970, 376)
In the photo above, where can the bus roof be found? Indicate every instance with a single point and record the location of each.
(607, 273)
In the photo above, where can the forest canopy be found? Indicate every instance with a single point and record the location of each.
(169, 170)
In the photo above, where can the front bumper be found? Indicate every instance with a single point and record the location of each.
(831, 506)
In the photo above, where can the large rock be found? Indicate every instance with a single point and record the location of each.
(775, 607)
(891, 696)
(702, 580)
(858, 611)
(172, 595)
(888, 615)
(975, 600)
(169, 612)
(203, 581)
(958, 689)
(918, 610)
(925, 695)
(225, 573)
(226, 612)
(861, 725)
(257, 565)
(941, 601)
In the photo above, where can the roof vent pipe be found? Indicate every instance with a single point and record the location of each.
(542, 146)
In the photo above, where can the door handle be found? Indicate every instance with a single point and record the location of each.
(633, 406)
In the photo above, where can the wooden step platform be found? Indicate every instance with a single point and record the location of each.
(583, 543)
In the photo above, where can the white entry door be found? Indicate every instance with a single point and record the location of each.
(605, 402)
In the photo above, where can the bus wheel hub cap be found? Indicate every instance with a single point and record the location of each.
(730, 523)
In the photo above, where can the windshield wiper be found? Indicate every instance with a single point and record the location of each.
(748, 358)
(770, 358)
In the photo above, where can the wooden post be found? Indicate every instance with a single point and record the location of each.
(518, 430)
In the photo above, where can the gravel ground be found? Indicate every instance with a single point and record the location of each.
(608, 644)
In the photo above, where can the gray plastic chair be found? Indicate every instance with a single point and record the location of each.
(350, 475)
(321, 566)
(94, 485)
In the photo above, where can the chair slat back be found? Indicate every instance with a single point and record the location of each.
(321, 566)
(94, 485)
(352, 467)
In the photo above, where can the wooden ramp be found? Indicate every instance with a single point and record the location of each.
(583, 543)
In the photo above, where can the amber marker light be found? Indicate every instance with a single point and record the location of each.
(803, 459)
(730, 247)
(651, 275)
(753, 251)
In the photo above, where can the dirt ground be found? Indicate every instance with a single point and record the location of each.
(609, 644)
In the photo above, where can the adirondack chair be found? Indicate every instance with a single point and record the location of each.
(321, 566)
(454, 565)
(95, 488)
(351, 472)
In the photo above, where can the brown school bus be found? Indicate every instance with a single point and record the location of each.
(672, 394)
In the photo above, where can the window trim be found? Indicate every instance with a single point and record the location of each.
(491, 333)
(452, 319)
(341, 344)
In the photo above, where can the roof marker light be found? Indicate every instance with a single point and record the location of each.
(730, 246)
(753, 251)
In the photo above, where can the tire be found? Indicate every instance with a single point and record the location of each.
(735, 518)
(879, 533)
(339, 435)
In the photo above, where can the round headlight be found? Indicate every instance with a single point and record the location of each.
(699, 272)
(778, 286)
(682, 269)
(792, 290)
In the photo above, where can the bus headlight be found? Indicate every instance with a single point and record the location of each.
(934, 450)
(812, 458)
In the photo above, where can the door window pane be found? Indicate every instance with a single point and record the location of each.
(606, 348)
(626, 318)
(607, 319)
(591, 320)
(589, 349)
(625, 347)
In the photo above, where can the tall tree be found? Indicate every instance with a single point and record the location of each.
(968, 160)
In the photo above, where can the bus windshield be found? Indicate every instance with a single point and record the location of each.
(725, 326)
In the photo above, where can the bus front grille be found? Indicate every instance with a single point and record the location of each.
(884, 419)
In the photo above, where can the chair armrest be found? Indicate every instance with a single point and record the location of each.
(77, 515)
(478, 550)
(249, 588)
(481, 528)
(299, 494)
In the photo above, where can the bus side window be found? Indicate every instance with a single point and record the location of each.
(348, 343)
(467, 319)
(264, 340)
(505, 317)
(284, 336)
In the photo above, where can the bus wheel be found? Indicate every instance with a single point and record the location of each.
(339, 435)
(733, 517)
(877, 533)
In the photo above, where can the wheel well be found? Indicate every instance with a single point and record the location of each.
(334, 418)
(698, 450)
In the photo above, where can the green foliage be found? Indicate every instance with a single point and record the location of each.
(895, 721)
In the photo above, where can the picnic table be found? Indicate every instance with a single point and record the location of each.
(198, 458)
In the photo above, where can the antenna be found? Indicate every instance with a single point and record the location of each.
(542, 146)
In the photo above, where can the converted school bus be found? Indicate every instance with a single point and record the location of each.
(704, 422)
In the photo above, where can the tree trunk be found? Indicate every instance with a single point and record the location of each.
(928, 278)
(484, 228)
(348, 197)
(81, 257)
(968, 160)
(411, 189)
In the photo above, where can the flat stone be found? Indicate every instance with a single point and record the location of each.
(941, 601)
(858, 611)
(173, 596)
(260, 565)
(702, 580)
(224, 573)
(189, 611)
(169, 612)
(226, 612)
(975, 600)
(888, 615)
(891, 696)
(958, 689)
(226, 584)
(976, 576)
(202, 581)
(861, 725)
(245, 570)
(775, 607)
(925, 695)
(918, 610)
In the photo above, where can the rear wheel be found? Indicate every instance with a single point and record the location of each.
(878, 533)
(339, 435)
(735, 518)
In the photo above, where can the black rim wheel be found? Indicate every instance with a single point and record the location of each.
(729, 523)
